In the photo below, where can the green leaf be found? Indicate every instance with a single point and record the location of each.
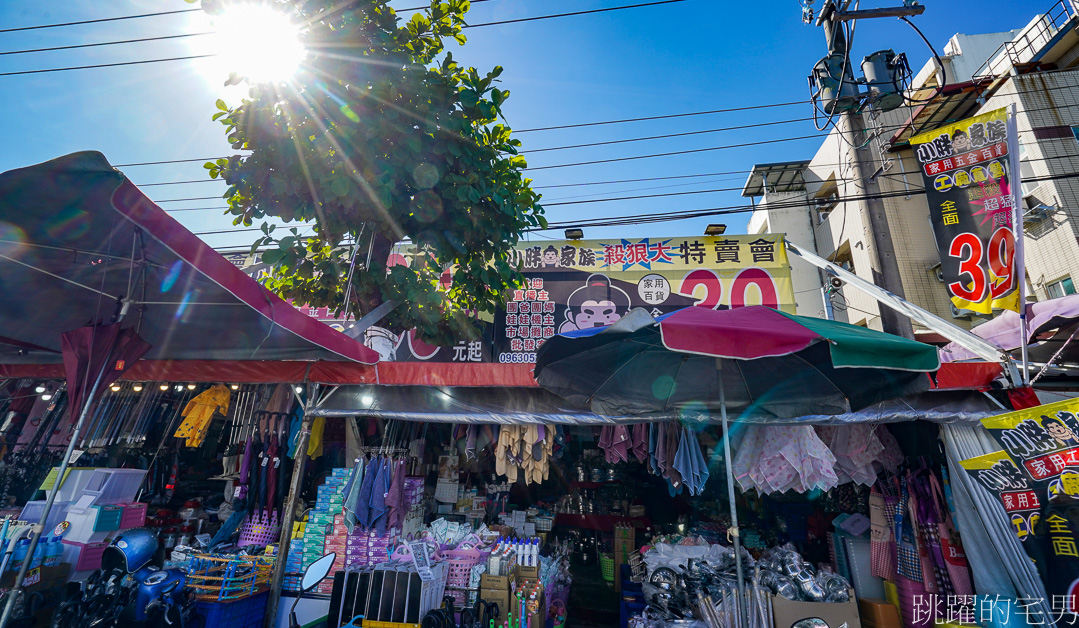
(221, 105)
(340, 187)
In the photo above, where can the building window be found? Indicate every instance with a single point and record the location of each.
(1060, 288)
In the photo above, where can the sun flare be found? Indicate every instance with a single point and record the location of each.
(258, 43)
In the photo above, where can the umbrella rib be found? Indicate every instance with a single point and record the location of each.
(826, 378)
(675, 382)
(609, 378)
(55, 276)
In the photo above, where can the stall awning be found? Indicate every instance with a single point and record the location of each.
(78, 241)
(514, 406)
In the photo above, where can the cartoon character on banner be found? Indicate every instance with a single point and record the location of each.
(1058, 428)
(595, 304)
(550, 257)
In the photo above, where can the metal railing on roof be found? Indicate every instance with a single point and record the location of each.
(1029, 44)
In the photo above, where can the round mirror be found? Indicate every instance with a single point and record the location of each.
(810, 622)
(317, 571)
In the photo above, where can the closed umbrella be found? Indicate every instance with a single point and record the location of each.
(754, 361)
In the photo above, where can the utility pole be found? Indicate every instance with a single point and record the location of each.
(851, 102)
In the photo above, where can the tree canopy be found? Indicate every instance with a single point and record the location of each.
(382, 137)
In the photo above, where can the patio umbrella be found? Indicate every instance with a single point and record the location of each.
(753, 360)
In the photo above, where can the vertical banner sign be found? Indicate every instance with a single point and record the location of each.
(968, 181)
(1044, 443)
(999, 475)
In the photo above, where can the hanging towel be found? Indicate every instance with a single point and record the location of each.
(363, 504)
(639, 440)
(351, 493)
(395, 497)
(379, 491)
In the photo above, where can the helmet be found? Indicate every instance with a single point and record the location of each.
(132, 550)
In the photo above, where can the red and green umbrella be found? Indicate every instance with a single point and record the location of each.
(772, 364)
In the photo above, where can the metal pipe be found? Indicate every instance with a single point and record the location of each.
(729, 465)
(39, 527)
(288, 511)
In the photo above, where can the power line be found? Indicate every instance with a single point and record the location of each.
(195, 198)
(191, 57)
(664, 117)
(666, 136)
(103, 43)
(679, 152)
(97, 21)
(147, 185)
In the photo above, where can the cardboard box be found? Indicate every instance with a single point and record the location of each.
(497, 596)
(538, 619)
(528, 573)
(623, 549)
(498, 583)
(786, 613)
(878, 614)
(625, 533)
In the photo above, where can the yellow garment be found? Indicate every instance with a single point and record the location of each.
(200, 411)
(314, 441)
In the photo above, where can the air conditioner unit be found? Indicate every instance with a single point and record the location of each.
(822, 216)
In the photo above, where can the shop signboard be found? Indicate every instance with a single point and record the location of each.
(968, 182)
(1044, 443)
(998, 473)
(575, 284)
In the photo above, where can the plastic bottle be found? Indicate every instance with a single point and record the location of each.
(54, 554)
(18, 557)
(39, 554)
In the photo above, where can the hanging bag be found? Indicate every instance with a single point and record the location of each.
(908, 562)
(882, 543)
(955, 559)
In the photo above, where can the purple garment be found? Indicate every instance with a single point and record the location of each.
(395, 498)
(380, 488)
(363, 505)
(245, 464)
(640, 442)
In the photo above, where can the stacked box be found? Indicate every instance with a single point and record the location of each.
(293, 565)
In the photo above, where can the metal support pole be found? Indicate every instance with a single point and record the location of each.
(39, 527)
(829, 313)
(1020, 266)
(735, 533)
(883, 262)
(289, 509)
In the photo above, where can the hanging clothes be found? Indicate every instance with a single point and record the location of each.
(775, 459)
(199, 412)
(615, 441)
(861, 451)
(314, 442)
(639, 441)
(363, 505)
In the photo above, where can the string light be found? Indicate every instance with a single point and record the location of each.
(164, 387)
(115, 388)
(40, 388)
(235, 387)
(137, 388)
(191, 387)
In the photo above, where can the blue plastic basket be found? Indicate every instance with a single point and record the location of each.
(248, 612)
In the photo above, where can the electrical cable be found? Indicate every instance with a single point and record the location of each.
(103, 43)
(96, 21)
(664, 117)
(667, 136)
(940, 64)
(190, 57)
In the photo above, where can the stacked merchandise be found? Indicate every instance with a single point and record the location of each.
(294, 565)
(319, 534)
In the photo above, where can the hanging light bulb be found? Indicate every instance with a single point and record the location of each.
(236, 387)
(137, 388)
(191, 387)
(164, 387)
(299, 390)
(115, 388)
(40, 388)
(179, 387)
(46, 396)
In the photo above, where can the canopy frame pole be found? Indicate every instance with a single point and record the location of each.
(39, 527)
(977, 345)
(734, 531)
(288, 511)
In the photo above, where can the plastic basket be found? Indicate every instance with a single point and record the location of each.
(606, 566)
(459, 572)
(228, 577)
(544, 524)
(258, 529)
(248, 612)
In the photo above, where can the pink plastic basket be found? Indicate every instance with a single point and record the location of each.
(258, 529)
(459, 571)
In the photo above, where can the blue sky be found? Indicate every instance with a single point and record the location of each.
(689, 56)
